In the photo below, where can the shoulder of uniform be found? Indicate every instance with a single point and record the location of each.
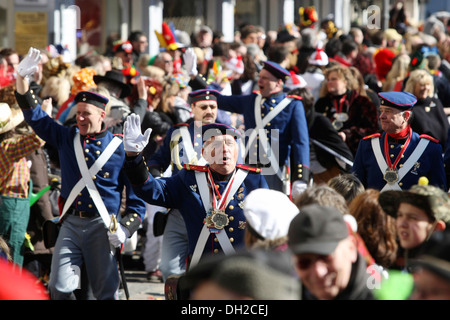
(293, 96)
(425, 136)
(191, 167)
(256, 91)
(181, 124)
(248, 168)
(119, 135)
(375, 135)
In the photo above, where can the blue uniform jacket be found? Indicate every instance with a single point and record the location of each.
(429, 165)
(110, 181)
(293, 139)
(181, 192)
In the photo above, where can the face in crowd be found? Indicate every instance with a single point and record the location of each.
(325, 276)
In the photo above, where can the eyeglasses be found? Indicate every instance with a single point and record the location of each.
(304, 263)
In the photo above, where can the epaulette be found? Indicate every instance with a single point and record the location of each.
(295, 97)
(256, 91)
(248, 168)
(375, 135)
(192, 167)
(181, 124)
(425, 136)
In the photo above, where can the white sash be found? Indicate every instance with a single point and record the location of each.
(192, 156)
(205, 195)
(417, 153)
(261, 123)
(87, 174)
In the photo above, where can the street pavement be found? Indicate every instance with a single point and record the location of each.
(139, 287)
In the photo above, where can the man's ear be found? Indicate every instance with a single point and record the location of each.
(440, 226)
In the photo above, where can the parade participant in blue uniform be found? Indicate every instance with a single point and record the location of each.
(93, 181)
(396, 158)
(276, 130)
(183, 144)
(210, 198)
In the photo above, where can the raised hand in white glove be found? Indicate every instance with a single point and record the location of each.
(133, 140)
(118, 237)
(29, 64)
(190, 62)
(298, 187)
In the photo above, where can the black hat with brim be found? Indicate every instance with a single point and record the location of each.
(117, 78)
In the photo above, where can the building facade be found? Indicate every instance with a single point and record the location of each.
(79, 24)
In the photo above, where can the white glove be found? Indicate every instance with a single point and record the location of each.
(190, 62)
(298, 187)
(133, 140)
(29, 64)
(118, 237)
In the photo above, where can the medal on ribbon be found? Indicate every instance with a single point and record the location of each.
(391, 173)
(391, 176)
(216, 219)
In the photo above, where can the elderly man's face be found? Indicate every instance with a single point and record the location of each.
(221, 152)
(326, 276)
(393, 120)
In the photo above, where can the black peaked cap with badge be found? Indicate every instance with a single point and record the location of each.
(92, 98)
(203, 95)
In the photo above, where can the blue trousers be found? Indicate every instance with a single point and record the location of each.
(174, 246)
(83, 241)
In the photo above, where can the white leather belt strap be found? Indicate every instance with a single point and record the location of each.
(261, 123)
(87, 174)
(417, 153)
(205, 195)
(193, 157)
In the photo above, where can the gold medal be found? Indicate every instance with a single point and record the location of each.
(218, 219)
(391, 176)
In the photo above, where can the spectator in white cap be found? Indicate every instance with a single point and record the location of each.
(314, 72)
(268, 214)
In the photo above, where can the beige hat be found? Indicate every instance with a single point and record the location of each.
(9, 117)
(392, 34)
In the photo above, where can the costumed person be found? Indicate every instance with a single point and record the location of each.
(396, 158)
(93, 182)
(277, 139)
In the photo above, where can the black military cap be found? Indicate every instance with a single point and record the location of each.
(92, 98)
(204, 95)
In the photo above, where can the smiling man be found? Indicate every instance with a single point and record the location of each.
(326, 257)
(93, 183)
(396, 158)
